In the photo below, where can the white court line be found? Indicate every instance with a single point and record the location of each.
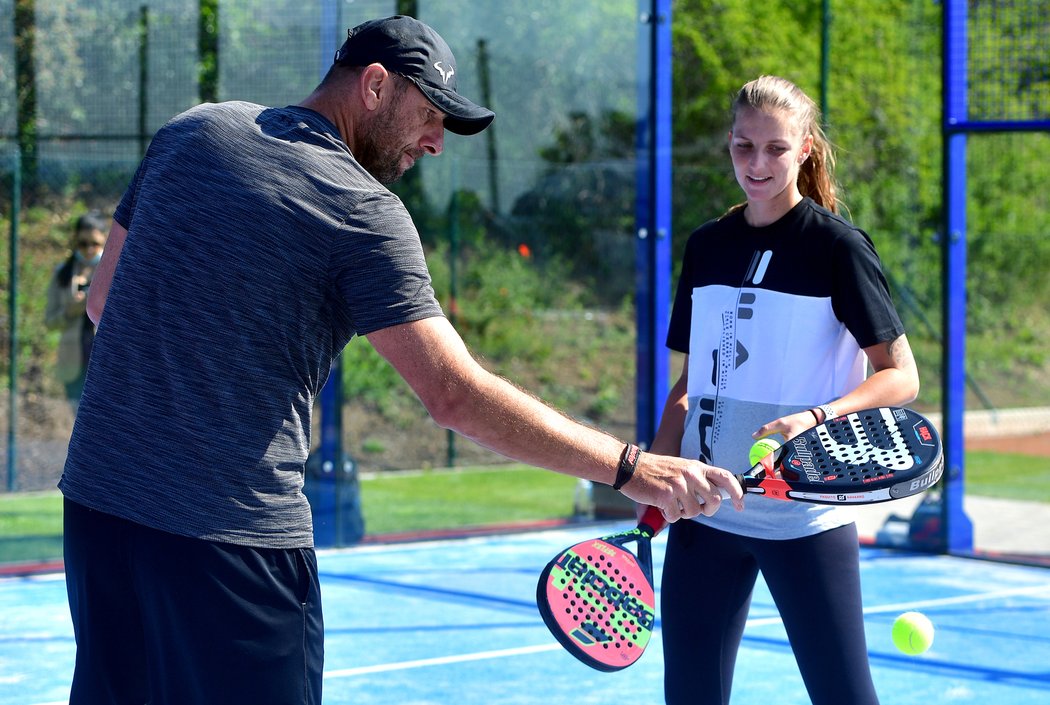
(441, 661)
(505, 653)
(421, 663)
(921, 604)
(961, 599)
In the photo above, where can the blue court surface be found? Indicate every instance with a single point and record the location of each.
(455, 621)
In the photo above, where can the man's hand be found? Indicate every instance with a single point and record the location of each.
(79, 286)
(680, 488)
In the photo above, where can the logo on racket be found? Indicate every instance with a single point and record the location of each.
(590, 633)
(804, 460)
(604, 588)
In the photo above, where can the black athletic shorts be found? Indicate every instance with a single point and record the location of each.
(164, 619)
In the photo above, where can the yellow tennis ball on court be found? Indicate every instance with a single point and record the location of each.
(913, 633)
(761, 448)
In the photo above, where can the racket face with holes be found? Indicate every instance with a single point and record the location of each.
(875, 455)
(597, 599)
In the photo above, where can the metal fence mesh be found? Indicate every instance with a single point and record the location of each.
(529, 228)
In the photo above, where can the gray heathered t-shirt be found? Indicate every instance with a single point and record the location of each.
(257, 247)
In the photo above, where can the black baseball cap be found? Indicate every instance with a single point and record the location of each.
(409, 48)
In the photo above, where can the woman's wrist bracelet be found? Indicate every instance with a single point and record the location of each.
(826, 410)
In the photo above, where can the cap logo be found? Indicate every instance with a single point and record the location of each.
(445, 73)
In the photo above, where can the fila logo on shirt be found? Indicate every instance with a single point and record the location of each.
(756, 272)
(731, 345)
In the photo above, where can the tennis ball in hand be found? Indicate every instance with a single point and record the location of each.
(913, 633)
(761, 448)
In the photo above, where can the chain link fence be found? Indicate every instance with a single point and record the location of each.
(529, 227)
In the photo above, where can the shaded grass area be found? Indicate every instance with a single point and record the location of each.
(437, 500)
(1008, 475)
(30, 526)
(453, 499)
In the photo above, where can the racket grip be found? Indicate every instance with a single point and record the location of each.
(653, 519)
(724, 492)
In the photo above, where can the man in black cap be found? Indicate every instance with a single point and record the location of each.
(399, 53)
(251, 245)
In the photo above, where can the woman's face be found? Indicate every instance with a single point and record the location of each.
(767, 149)
(88, 244)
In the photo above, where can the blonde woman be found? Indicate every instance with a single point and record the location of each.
(780, 308)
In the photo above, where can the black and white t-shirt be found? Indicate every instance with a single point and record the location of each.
(774, 320)
(257, 247)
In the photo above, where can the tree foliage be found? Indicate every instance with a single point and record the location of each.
(564, 85)
(884, 115)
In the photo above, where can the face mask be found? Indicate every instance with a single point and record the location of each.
(95, 259)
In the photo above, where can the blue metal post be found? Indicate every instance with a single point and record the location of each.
(326, 471)
(330, 34)
(957, 527)
(12, 317)
(324, 498)
(653, 215)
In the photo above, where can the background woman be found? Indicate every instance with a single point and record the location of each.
(67, 303)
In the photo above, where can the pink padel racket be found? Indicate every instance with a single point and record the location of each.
(597, 597)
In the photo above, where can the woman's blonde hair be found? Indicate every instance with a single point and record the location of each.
(816, 175)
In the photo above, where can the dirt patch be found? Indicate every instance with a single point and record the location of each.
(1037, 444)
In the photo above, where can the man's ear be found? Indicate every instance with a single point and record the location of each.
(374, 82)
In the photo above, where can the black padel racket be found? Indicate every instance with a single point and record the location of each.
(869, 456)
(597, 597)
